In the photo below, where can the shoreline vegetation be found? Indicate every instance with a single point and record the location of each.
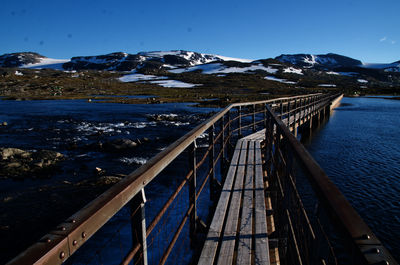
(105, 87)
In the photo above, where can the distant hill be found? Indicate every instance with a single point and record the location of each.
(321, 61)
(19, 59)
(290, 70)
(120, 61)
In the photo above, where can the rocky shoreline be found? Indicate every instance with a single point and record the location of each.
(17, 163)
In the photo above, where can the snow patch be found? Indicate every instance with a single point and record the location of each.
(332, 73)
(225, 58)
(310, 60)
(273, 78)
(206, 68)
(174, 83)
(362, 81)
(392, 67)
(47, 63)
(218, 68)
(18, 73)
(327, 85)
(139, 77)
(293, 70)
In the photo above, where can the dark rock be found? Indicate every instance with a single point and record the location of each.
(98, 171)
(108, 180)
(18, 163)
(175, 60)
(114, 61)
(10, 153)
(162, 117)
(119, 145)
(151, 67)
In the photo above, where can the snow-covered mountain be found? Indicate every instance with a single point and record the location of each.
(328, 61)
(154, 60)
(30, 60)
(20, 59)
(186, 60)
(392, 67)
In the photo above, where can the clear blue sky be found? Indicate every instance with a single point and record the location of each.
(368, 30)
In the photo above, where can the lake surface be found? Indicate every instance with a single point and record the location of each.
(359, 148)
(75, 127)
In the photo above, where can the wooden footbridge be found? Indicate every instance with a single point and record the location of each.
(270, 202)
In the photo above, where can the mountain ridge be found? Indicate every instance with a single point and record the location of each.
(121, 61)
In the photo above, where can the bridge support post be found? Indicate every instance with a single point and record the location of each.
(211, 161)
(269, 138)
(328, 110)
(230, 146)
(223, 155)
(302, 111)
(288, 114)
(265, 116)
(240, 122)
(295, 118)
(192, 193)
(138, 226)
(254, 118)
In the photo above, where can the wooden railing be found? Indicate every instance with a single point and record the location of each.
(206, 166)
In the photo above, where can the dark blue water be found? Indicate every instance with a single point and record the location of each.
(74, 127)
(359, 148)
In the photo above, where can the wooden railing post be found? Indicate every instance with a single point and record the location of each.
(254, 118)
(265, 116)
(230, 146)
(310, 110)
(303, 102)
(211, 161)
(192, 192)
(223, 158)
(269, 138)
(295, 118)
(138, 227)
(240, 122)
(288, 114)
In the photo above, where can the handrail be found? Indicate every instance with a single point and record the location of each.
(368, 245)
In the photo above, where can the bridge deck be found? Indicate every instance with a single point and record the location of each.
(238, 233)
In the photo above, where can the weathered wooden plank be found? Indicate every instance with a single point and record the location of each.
(246, 224)
(255, 136)
(228, 239)
(261, 237)
(211, 243)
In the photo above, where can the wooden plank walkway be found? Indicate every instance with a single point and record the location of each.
(238, 233)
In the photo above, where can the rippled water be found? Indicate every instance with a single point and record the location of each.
(75, 127)
(359, 148)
